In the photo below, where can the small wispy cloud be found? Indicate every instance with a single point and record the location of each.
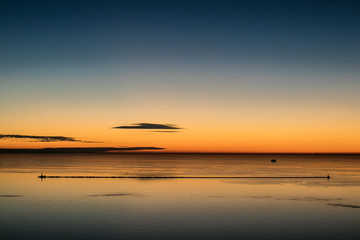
(43, 138)
(148, 126)
(166, 131)
(113, 195)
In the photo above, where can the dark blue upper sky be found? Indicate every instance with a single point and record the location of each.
(183, 33)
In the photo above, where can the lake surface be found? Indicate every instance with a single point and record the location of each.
(263, 208)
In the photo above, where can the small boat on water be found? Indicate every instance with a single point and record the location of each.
(273, 160)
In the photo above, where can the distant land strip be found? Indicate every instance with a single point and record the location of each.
(76, 150)
(166, 177)
(139, 150)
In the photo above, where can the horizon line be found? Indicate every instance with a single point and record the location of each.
(111, 150)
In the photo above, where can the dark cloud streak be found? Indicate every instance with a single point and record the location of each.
(113, 195)
(44, 138)
(148, 126)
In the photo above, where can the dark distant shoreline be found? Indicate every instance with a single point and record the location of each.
(76, 150)
(147, 150)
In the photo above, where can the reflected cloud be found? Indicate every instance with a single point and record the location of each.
(10, 196)
(43, 138)
(298, 198)
(218, 196)
(328, 201)
(309, 182)
(149, 126)
(262, 197)
(343, 205)
(311, 199)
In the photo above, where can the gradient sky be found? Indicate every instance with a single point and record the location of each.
(235, 76)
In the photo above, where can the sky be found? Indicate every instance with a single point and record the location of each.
(184, 76)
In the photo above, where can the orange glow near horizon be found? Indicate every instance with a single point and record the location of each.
(218, 121)
(202, 140)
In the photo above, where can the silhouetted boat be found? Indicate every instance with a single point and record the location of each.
(273, 160)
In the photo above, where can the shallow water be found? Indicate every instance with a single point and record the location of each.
(179, 208)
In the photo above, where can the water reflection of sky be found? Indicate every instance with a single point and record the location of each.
(343, 169)
(177, 208)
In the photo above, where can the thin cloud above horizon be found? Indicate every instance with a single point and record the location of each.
(165, 131)
(43, 138)
(148, 126)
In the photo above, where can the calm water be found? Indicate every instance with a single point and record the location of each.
(179, 208)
